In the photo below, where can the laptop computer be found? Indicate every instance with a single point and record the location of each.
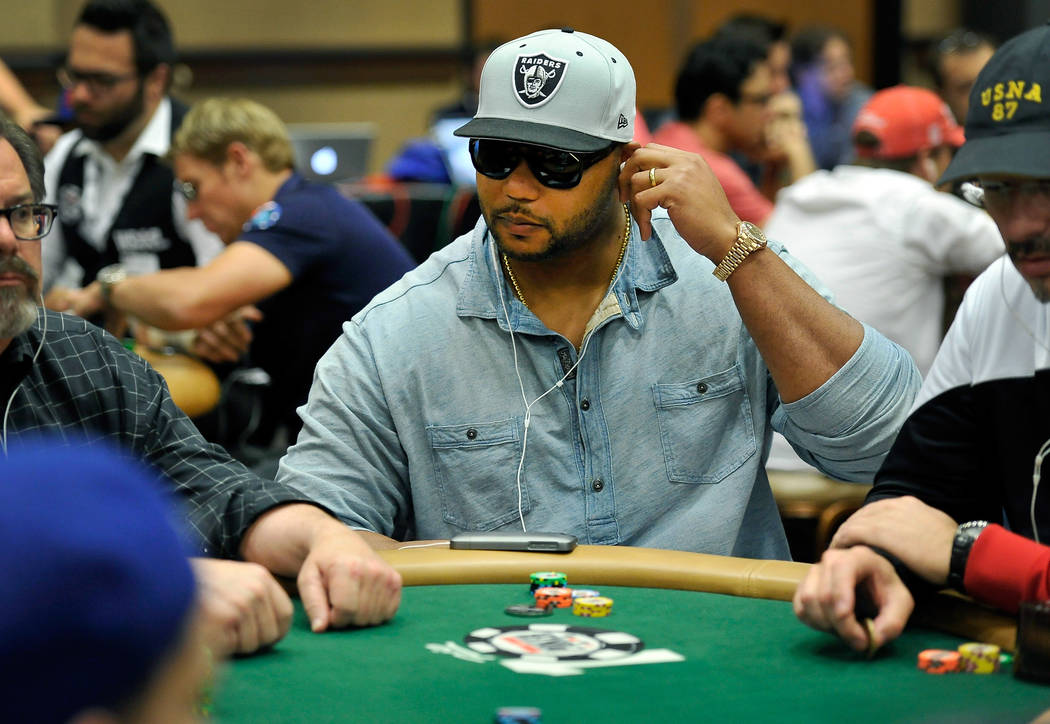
(332, 152)
(455, 150)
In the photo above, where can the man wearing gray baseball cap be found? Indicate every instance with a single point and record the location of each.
(957, 501)
(554, 371)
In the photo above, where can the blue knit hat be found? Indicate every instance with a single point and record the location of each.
(95, 587)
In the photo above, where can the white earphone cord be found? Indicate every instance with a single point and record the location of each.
(7, 408)
(521, 383)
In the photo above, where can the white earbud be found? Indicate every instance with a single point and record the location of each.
(1036, 474)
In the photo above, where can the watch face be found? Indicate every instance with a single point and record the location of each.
(752, 232)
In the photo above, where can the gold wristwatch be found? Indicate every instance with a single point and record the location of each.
(749, 239)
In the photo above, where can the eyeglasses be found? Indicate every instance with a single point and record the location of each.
(1001, 195)
(30, 222)
(553, 168)
(186, 189)
(960, 40)
(97, 83)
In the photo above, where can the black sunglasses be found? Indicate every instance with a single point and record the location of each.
(553, 168)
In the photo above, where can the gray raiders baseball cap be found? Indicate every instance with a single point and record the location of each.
(557, 88)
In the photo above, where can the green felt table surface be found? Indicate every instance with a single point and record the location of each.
(745, 660)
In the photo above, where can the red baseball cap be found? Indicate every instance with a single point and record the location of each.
(906, 120)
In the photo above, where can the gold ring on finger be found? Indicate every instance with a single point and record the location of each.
(652, 177)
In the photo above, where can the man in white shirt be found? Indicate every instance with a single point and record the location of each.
(879, 234)
(114, 193)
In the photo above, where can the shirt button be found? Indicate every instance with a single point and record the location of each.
(585, 404)
(701, 388)
(472, 433)
(598, 485)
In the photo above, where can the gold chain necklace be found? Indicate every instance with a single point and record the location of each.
(619, 259)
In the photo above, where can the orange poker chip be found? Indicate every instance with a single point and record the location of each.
(938, 661)
(556, 596)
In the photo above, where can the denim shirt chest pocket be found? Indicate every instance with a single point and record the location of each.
(706, 428)
(475, 465)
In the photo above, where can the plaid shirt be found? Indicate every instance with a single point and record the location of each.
(85, 387)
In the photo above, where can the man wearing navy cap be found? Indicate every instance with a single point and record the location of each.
(554, 371)
(971, 454)
(100, 618)
(62, 376)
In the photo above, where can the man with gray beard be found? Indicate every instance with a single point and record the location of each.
(65, 378)
(970, 455)
(18, 301)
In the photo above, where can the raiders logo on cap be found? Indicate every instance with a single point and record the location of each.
(537, 78)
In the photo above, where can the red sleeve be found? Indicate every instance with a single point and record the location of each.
(1005, 569)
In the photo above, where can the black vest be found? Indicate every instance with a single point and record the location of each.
(143, 225)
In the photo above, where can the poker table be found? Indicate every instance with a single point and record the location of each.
(691, 637)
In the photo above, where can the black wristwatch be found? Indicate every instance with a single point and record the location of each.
(965, 535)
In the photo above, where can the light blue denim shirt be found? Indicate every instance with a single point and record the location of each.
(415, 425)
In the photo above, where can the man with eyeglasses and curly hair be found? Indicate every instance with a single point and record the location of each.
(605, 355)
(108, 177)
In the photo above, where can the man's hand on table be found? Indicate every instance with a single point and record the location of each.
(826, 597)
(243, 606)
(341, 580)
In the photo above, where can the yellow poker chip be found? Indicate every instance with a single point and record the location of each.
(592, 606)
(978, 658)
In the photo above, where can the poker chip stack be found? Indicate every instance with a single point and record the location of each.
(969, 658)
(557, 596)
(939, 661)
(592, 606)
(546, 579)
(975, 658)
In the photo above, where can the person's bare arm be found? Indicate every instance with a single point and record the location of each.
(803, 338)
(193, 297)
(16, 101)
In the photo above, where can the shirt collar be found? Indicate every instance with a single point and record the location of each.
(646, 268)
(154, 139)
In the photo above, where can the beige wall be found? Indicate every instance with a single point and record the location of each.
(259, 23)
(654, 36)
(398, 107)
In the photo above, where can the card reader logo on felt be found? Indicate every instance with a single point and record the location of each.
(537, 78)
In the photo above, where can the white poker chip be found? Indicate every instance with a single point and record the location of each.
(553, 642)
